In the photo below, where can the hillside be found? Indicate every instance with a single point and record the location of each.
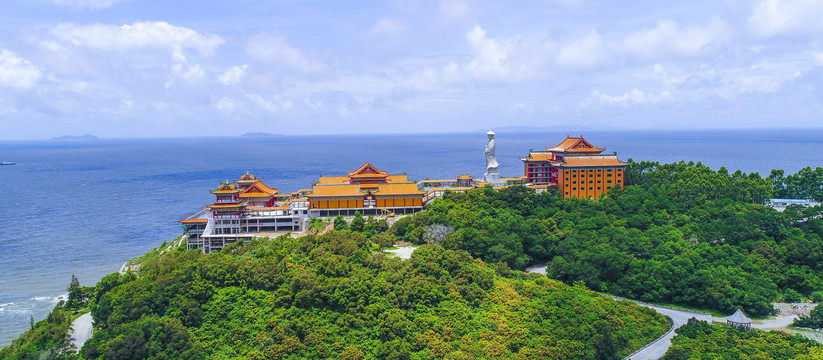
(333, 296)
(679, 233)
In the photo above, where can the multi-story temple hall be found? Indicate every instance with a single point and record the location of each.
(576, 167)
(247, 208)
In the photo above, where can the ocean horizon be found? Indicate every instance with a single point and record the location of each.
(84, 207)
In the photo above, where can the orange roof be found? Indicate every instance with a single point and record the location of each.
(223, 206)
(266, 208)
(194, 221)
(591, 161)
(576, 145)
(465, 177)
(336, 190)
(330, 180)
(225, 188)
(258, 189)
(539, 156)
(397, 179)
(247, 176)
(398, 189)
(254, 194)
(367, 170)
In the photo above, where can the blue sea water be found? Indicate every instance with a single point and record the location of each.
(86, 207)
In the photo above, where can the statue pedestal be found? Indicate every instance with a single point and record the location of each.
(493, 178)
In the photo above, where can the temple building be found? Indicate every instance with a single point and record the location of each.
(244, 209)
(367, 190)
(576, 167)
(247, 208)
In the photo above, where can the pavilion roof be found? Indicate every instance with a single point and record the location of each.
(739, 317)
(225, 206)
(336, 190)
(539, 156)
(367, 170)
(226, 189)
(194, 221)
(258, 189)
(591, 161)
(330, 180)
(576, 145)
(398, 189)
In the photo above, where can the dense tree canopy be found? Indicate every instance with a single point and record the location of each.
(335, 296)
(679, 233)
(699, 340)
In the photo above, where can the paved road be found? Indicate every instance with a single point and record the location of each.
(81, 330)
(656, 349)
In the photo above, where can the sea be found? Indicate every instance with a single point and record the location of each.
(84, 207)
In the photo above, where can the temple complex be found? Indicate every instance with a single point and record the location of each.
(576, 167)
(247, 208)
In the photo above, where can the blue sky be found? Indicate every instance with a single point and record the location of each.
(132, 68)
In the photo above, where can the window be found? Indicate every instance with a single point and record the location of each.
(598, 188)
(567, 185)
(591, 188)
(599, 181)
(599, 175)
(574, 189)
(608, 181)
(567, 193)
(574, 182)
(618, 181)
(609, 175)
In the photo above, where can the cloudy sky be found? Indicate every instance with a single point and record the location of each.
(135, 68)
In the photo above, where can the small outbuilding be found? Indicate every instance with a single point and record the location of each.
(739, 320)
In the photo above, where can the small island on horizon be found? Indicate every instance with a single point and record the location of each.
(76, 137)
(260, 134)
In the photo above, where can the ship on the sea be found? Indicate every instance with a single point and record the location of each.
(7, 163)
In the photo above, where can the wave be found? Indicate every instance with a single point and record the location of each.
(51, 299)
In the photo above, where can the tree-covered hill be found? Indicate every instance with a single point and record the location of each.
(679, 233)
(699, 340)
(335, 297)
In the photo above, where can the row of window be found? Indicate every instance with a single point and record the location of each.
(591, 182)
(598, 175)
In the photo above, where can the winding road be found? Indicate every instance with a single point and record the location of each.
(657, 348)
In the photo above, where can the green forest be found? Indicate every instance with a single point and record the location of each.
(678, 233)
(334, 296)
(699, 340)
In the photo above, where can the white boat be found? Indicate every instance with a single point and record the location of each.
(7, 163)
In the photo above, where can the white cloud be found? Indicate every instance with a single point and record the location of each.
(633, 97)
(276, 49)
(669, 39)
(489, 55)
(587, 53)
(87, 4)
(388, 27)
(16, 71)
(139, 35)
(182, 69)
(276, 104)
(786, 17)
(225, 104)
(233, 75)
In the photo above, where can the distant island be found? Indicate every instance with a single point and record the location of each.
(76, 137)
(260, 134)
